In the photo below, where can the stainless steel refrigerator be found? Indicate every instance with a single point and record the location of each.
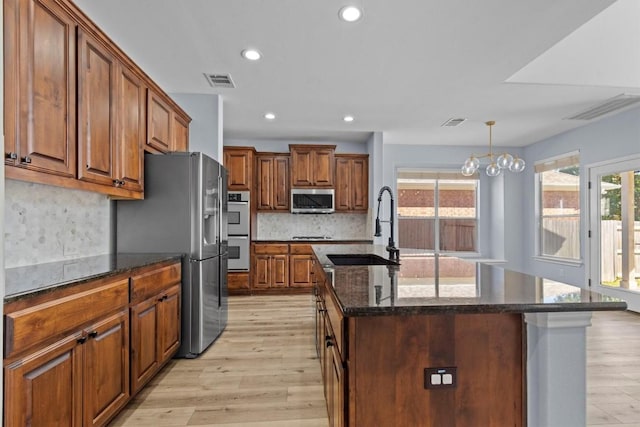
(184, 210)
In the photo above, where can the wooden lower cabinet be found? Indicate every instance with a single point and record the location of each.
(155, 334)
(68, 353)
(301, 271)
(81, 380)
(270, 266)
(46, 386)
(238, 282)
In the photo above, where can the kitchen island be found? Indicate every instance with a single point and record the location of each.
(442, 341)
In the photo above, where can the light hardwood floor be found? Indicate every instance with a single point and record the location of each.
(262, 372)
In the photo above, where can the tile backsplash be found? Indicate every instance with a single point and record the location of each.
(47, 224)
(283, 226)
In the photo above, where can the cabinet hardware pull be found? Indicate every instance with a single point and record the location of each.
(26, 159)
(166, 297)
(12, 156)
(122, 182)
(329, 343)
(93, 334)
(82, 340)
(116, 182)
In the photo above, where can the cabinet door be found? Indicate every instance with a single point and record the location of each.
(302, 168)
(145, 359)
(96, 111)
(280, 271)
(239, 164)
(158, 123)
(264, 166)
(280, 183)
(131, 129)
(169, 323)
(262, 271)
(360, 184)
(40, 87)
(343, 184)
(45, 388)
(106, 373)
(180, 134)
(323, 163)
(301, 271)
(336, 407)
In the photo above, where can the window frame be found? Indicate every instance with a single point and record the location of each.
(545, 165)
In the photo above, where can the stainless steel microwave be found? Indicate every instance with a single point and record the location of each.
(313, 200)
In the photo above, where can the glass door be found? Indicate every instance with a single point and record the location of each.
(615, 228)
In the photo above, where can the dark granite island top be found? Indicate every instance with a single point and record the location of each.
(440, 341)
(427, 284)
(34, 279)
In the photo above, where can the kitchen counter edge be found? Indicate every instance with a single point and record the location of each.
(31, 280)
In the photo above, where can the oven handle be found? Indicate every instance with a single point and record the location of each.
(237, 203)
(238, 237)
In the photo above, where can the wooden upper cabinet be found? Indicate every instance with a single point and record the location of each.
(352, 182)
(312, 165)
(158, 123)
(40, 87)
(131, 129)
(239, 164)
(180, 140)
(96, 111)
(273, 182)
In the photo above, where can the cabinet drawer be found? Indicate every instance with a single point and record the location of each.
(299, 249)
(336, 319)
(154, 281)
(30, 326)
(271, 249)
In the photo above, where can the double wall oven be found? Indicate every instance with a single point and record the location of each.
(238, 230)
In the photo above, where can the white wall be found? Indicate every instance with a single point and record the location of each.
(607, 139)
(205, 129)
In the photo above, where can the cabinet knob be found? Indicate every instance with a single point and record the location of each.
(122, 182)
(11, 156)
(26, 159)
(93, 334)
(329, 343)
(82, 340)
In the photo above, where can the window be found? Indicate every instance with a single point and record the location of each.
(437, 211)
(558, 184)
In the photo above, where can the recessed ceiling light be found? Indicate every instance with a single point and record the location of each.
(269, 116)
(350, 13)
(251, 54)
(348, 119)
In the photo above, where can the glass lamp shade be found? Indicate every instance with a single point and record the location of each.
(517, 165)
(493, 169)
(468, 170)
(473, 163)
(504, 161)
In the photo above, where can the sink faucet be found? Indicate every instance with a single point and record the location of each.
(394, 253)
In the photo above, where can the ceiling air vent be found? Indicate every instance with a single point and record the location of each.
(219, 80)
(610, 105)
(453, 122)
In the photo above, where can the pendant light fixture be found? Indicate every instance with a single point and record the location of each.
(496, 165)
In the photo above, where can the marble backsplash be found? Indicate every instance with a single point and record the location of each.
(283, 226)
(47, 224)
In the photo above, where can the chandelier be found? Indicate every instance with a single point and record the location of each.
(495, 166)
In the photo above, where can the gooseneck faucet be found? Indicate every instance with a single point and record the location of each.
(394, 253)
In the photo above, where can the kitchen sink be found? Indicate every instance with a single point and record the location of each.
(360, 259)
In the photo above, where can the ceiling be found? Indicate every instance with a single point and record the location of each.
(403, 69)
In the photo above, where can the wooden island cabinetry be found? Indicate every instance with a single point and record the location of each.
(68, 352)
(352, 182)
(75, 106)
(272, 182)
(312, 165)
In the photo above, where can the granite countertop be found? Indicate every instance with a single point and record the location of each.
(424, 283)
(34, 279)
(315, 241)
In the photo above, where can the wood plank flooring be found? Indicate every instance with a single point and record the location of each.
(262, 372)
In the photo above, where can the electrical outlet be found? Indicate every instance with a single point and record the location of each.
(440, 378)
